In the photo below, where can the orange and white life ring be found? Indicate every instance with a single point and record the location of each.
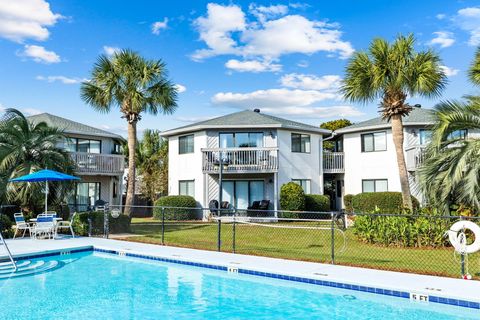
(458, 239)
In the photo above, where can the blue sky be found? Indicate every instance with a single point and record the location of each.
(286, 58)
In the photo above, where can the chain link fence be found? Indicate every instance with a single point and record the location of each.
(405, 243)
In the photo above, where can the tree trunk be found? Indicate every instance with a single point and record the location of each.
(397, 133)
(132, 146)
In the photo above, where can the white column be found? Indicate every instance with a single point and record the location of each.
(275, 193)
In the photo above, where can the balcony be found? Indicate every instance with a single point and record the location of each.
(240, 160)
(98, 164)
(333, 162)
(415, 155)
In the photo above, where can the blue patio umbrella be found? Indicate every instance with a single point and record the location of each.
(45, 176)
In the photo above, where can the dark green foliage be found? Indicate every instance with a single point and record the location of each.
(348, 202)
(6, 226)
(428, 230)
(333, 125)
(292, 198)
(382, 202)
(116, 225)
(176, 213)
(317, 202)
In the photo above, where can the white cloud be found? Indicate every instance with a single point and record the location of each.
(468, 19)
(311, 82)
(159, 25)
(180, 88)
(449, 72)
(273, 34)
(40, 54)
(26, 19)
(62, 79)
(441, 16)
(272, 98)
(316, 112)
(110, 51)
(263, 13)
(216, 27)
(443, 38)
(31, 111)
(253, 66)
(303, 64)
(193, 119)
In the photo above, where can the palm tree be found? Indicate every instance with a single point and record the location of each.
(474, 71)
(26, 147)
(391, 72)
(135, 85)
(450, 173)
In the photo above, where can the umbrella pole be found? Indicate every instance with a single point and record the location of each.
(46, 195)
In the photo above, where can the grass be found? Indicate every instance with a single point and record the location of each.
(300, 243)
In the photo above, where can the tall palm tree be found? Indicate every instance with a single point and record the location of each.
(27, 147)
(451, 169)
(391, 72)
(135, 85)
(474, 71)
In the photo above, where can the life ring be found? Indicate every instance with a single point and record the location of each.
(458, 240)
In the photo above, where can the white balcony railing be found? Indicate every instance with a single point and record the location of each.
(240, 160)
(94, 163)
(333, 162)
(415, 155)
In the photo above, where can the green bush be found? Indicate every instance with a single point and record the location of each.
(176, 213)
(348, 202)
(384, 202)
(115, 225)
(317, 202)
(6, 226)
(424, 230)
(292, 198)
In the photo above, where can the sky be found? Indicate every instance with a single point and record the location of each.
(285, 58)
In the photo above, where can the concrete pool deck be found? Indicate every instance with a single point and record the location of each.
(448, 288)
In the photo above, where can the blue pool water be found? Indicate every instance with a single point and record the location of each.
(104, 286)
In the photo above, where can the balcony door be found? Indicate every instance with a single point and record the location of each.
(241, 140)
(242, 193)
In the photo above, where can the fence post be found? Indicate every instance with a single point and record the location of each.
(163, 226)
(219, 233)
(462, 257)
(332, 241)
(89, 226)
(233, 240)
(106, 230)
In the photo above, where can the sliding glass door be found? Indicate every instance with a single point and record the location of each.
(242, 193)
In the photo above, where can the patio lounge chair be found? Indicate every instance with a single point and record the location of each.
(21, 224)
(66, 225)
(45, 226)
(255, 210)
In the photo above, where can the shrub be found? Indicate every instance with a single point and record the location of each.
(317, 202)
(424, 230)
(384, 202)
(186, 202)
(292, 198)
(6, 226)
(348, 202)
(115, 225)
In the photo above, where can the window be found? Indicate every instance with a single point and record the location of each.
(117, 148)
(458, 134)
(82, 145)
(300, 143)
(376, 141)
(242, 193)
(374, 185)
(425, 136)
(241, 140)
(86, 193)
(304, 183)
(187, 188)
(185, 144)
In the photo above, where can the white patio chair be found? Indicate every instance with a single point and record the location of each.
(21, 224)
(66, 225)
(44, 226)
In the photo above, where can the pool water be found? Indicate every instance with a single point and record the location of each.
(97, 286)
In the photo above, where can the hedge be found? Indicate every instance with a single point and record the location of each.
(383, 202)
(317, 202)
(6, 226)
(426, 230)
(176, 213)
(348, 202)
(292, 198)
(116, 225)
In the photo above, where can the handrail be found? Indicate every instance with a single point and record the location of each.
(9, 253)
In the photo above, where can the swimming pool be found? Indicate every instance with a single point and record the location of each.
(97, 285)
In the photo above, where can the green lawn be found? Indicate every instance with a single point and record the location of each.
(300, 243)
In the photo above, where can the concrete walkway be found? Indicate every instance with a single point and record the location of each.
(429, 285)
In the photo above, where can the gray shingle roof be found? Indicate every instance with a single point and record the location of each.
(70, 126)
(417, 117)
(245, 119)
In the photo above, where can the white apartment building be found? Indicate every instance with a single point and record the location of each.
(261, 153)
